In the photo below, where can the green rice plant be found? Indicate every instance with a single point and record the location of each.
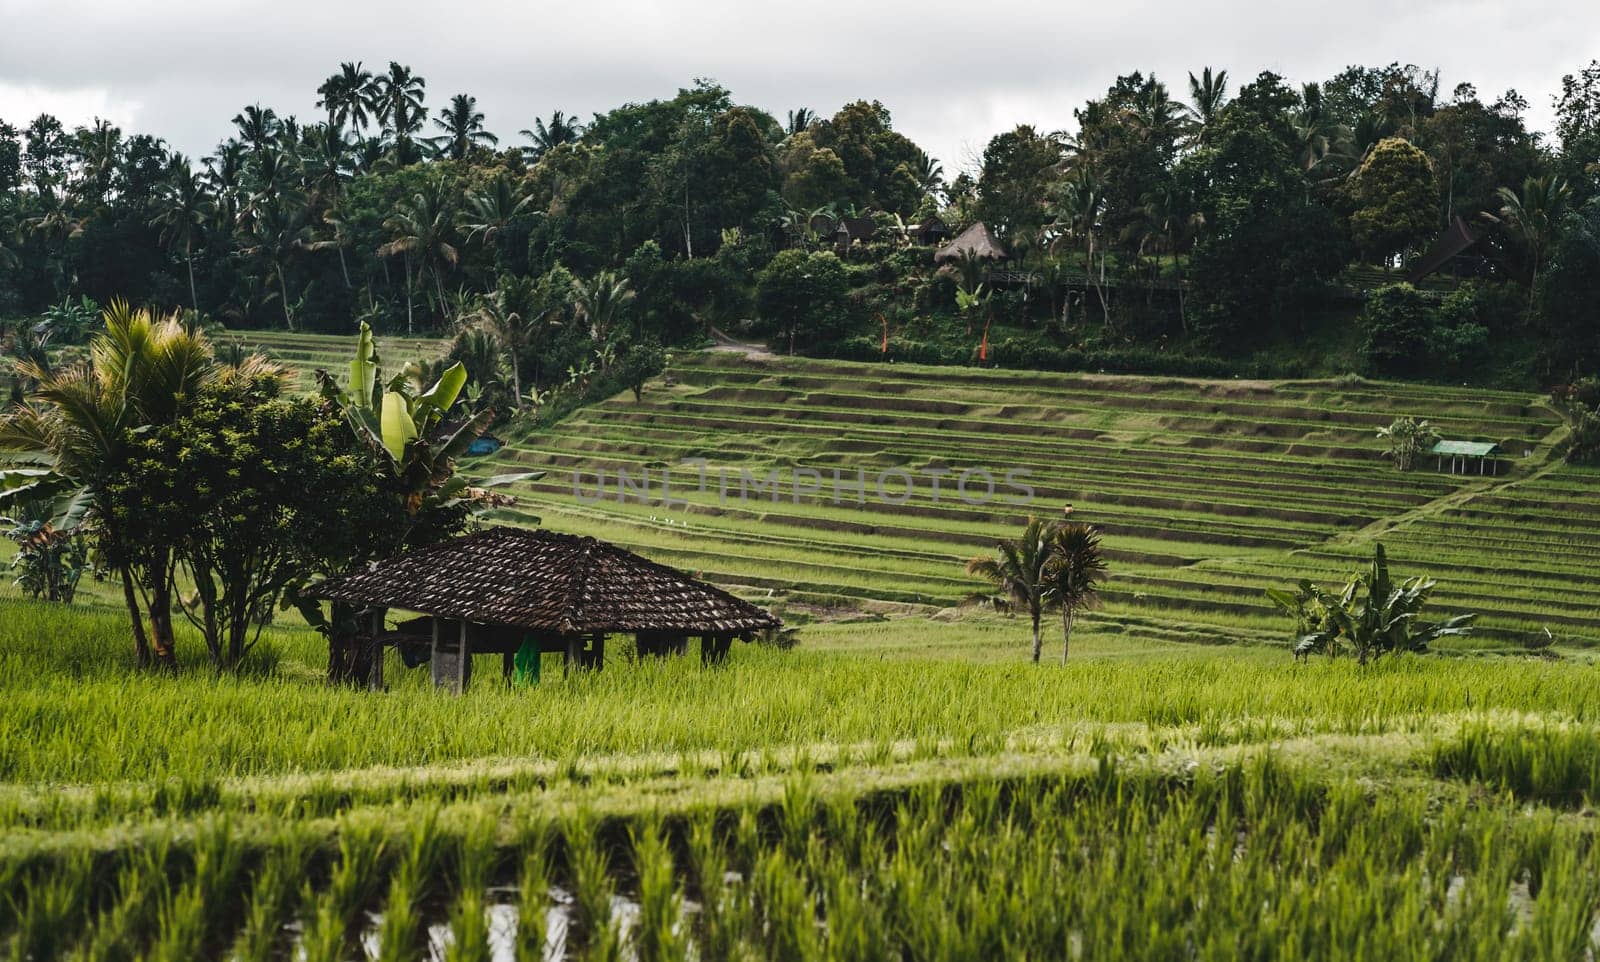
(204, 910)
(1557, 765)
(533, 900)
(55, 905)
(589, 865)
(469, 922)
(272, 897)
(657, 936)
(142, 887)
(400, 934)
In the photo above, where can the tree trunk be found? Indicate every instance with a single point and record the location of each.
(141, 642)
(162, 638)
(516, 381)
(344, 268)
(194, 299)
(1038, 637)
(283, 292)
(410, 326)
(1066, 632)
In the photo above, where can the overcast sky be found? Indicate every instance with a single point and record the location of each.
(952, 74)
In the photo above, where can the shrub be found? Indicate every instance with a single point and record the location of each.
(1398, 323)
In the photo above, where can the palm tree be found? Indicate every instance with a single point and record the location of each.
(182, 211)
(1207, 94)
(1073, 570)
(1079, 205)
(1157, 115)
(421, 229)
(493, 208)
(1017, 572)
(225, 173)
(462, 123)
(800, 120)
(258, 127)
(140, 372)
(600, 302)
(278, 232)
(513, 332)
(562, 130)
(1533, 218)
(398, 98)
(346, 96)
(930, 176)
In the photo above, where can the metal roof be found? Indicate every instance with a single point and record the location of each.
(1471, 449)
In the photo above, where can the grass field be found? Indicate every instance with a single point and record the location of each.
(904, 784)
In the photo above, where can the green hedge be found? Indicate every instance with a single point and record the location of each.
(1031, 355)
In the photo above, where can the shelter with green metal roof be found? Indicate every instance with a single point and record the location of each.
(1459, 456)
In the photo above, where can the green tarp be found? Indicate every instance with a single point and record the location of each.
(525, 664)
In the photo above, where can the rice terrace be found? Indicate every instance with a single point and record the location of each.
(694, 533)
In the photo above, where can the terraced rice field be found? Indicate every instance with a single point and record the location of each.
(1207, 492)
(305, 353)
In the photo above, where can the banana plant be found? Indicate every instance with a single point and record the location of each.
(1373, 614)
(411, 432)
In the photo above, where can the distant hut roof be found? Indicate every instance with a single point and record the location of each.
(543, 581)
(857, 229)
(1471, 449)
(978, 240)
(1455, 239)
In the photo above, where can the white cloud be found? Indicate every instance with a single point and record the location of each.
(952, 74)
(20, 103)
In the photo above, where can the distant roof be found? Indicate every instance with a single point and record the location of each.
(1472, 449)
(1455, 239)
(978, 240)
(545, 581)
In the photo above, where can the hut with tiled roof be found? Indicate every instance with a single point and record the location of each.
(510, 590)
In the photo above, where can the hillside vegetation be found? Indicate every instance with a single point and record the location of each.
(1207, 491)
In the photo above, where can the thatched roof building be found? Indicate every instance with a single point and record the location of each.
(504, 589)
(976, 241)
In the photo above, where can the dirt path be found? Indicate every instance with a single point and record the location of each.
(727, 345)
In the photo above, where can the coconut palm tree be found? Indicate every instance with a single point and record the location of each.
(140, 372)
(258, 127)
(422, 230)
(182, 210)
(346, 96)
(1074, 568)
(397, 99)
(601, 301)
(1207, 95)
(462, 123)
(1017, 574)
(513, 332)
(1533, 218)
(930, 176)
(278, 232)
(494, 207)
(562, 130)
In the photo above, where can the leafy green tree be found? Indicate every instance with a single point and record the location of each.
(805, 296)
(1408, 439)
(1396, 200)
(1264, 245)
(601, 302)
(398, 96)
(1397, 326)
(1208, 93)
(1568, 292)
(140, 374)
(1018, 168)
(247, 484)
(1018, 572)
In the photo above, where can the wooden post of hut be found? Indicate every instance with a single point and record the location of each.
(375, 649)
